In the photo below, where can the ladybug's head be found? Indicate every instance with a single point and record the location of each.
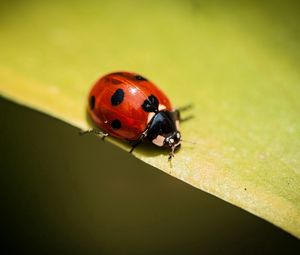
(173, 141)
(163, 131)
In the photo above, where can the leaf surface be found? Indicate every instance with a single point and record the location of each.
(237, 63)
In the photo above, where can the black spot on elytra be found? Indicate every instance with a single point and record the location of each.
(117, 97)
(150, 104)
(116, 124)
(92, 102)
(140, 78)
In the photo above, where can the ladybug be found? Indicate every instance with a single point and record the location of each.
(128, 106)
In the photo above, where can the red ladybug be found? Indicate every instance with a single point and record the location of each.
(128, 106)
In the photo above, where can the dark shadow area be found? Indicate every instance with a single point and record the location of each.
(62, 193)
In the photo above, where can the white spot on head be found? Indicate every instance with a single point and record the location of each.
(171, 140)
(178, 135)
(161, 107)
(159, 140)
(150, 116)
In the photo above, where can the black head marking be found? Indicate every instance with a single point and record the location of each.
(92, 102)
(140, 78)
(150, 104)
(117, 97)
(116, 124)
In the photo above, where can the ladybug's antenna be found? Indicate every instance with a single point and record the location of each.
(185, 141)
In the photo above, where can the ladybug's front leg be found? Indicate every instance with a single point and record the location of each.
(185, 118)
(95, 132)
(171, 154)
(185, 108)
(182, 109)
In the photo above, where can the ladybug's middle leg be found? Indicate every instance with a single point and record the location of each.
(134, 144)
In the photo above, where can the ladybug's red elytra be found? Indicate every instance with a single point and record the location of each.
(128, 106)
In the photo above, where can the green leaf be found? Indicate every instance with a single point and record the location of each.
(237, 63)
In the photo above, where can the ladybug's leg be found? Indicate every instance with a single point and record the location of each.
(186, 118)
(177, 112)
(184, 108)
(95, 132)
(175, 115)
(134, 144)
(178, 115)
(171, 154)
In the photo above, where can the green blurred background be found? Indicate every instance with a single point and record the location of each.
(62, 193)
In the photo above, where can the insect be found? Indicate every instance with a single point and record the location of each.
(130, 107)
